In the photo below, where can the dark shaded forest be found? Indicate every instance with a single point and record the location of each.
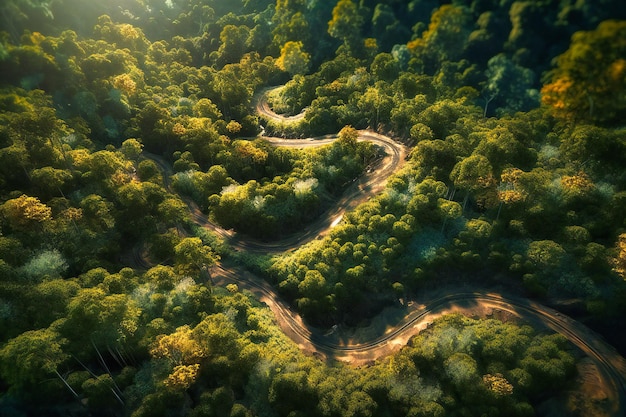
(129, 138)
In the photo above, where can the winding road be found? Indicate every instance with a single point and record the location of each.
(415, 316)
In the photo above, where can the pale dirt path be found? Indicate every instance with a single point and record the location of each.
(263, 108)
(363, 188)
(395, 327)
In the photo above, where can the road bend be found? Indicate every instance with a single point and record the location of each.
(417, 316)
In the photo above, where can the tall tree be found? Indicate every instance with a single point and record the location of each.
(509, 87)
(234, 44)
(26, 213)
(346, 25)
(293, 58)
(445, 39)
(589, 82)
(472, 174)
(620, 259)
(193, 257)
(32, 357)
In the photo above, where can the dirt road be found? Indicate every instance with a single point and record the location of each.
(348, 346)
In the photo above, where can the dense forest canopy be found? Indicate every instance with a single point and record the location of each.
(132, 151)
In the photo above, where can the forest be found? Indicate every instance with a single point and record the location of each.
(137, 162)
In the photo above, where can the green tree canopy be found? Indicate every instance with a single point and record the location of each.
(589, 81)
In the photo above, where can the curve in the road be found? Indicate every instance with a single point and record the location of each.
(609, 363)
(369, 184)
(263, 108)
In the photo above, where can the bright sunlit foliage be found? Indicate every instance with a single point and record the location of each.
(153, 205)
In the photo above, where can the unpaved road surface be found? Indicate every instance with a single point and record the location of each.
(348, 346)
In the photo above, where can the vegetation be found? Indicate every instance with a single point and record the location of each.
(123, 123)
